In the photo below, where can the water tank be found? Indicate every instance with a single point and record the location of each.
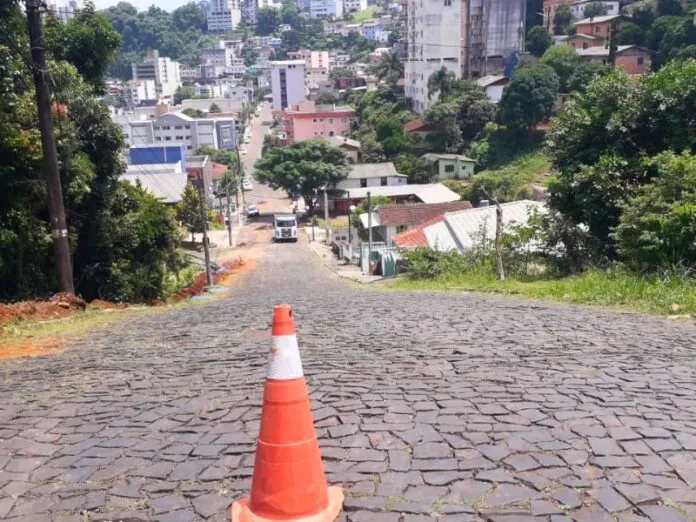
(484, 203)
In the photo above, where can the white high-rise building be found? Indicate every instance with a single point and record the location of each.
(287, 83)
(64, 11)
(354, 6)
(326, 8)
(249, 8)
(138, 91)
(471, 38)
(224, 15)
(162, 70)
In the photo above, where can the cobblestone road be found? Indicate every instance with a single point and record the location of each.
(457, 407)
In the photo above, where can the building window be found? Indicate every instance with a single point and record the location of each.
(383, 181)
(167, 138)
(177, 127)
(189, 147)
(179, 137)
(640, 60)
(331, 133)
(331, 120)
(363, 183)
(314, 120)
(449, 168)
(158, 138)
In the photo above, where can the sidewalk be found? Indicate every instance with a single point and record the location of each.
(341, 269)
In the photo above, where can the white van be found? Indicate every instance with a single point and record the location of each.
(285, 227)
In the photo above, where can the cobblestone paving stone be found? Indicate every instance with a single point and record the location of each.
(428, 406)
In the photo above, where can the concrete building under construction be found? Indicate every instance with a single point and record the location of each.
(472, 38)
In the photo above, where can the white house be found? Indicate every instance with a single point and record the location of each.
(372, 175)
(494, 85)
(578, 8)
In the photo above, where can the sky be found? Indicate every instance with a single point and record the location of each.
(141, 5)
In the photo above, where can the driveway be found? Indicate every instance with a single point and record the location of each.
(456, 407)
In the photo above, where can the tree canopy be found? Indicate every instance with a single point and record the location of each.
(390, 67)
(563, 60)
(529, 98)
(303, 169)
(538, 40)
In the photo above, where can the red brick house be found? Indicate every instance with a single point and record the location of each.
(600, 26)
(633, 59)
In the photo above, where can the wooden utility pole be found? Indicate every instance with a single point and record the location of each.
(498, 241)
(56, 211)
(229, 218)
(206, 246)
(327, 218)
(369, 229)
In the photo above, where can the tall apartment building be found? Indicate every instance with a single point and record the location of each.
(287, 83)
(354, 6)
(326, 8)
(219, 55)
(65, 11)
(162, 70)
(140, 91)
(249, 8)
(471, 38)
(312, 59)
(224, 15)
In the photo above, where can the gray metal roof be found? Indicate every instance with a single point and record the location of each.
(373, 170)
(167, 186)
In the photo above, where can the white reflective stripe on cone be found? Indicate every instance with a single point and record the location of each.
(284, 359)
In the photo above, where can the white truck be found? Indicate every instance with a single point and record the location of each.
(285, 227)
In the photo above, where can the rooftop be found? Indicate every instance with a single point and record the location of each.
(429, 193)
(598, 19)
(433, 157)
(416, 237)
(604, 51)
(491, 79)
(280, 63)
(197, 162)
(415, 214)
(373, 170)
(342, 140)
(417, 125)
(165, 185)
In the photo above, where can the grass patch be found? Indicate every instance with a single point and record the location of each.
(615, 288)
(367, 14)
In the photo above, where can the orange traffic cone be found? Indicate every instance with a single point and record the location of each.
(289, 481)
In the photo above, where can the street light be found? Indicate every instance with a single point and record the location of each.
(351, 209)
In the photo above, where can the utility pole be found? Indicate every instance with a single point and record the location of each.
(56, 211)
(229, 219)
(327, 221)
(369, 229)
(206, 247)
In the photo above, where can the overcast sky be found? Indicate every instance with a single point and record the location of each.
(167, 5)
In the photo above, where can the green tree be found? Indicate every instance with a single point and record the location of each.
(529, 98)
(214, 108)
(440, 82)
(658, 221)
(632, 34)
(267, 21)
(361, 208)
(538, 40)
(390, 67)
(87, 41)
(669, 8)
(193, 113)
(291, 40)
(585, 73)
(303, 169)
(189, 16)
(595, 9)
(183, 93)
(562, 19)
(563, 60)
(447, 135)
(188, 211)
(667, 36)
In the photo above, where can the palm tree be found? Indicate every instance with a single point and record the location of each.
(441, 81)
(390, 67)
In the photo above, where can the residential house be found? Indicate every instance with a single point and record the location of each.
(220, 55)
(351, 148)
(354, 82)
(600, 26)
(354, 6)
(390, 220)
(578, 8)
(633, 59)
(403, 193)
(306, 120)
(419, 130)
(465, 229)
(365, 175)
(326, 8)
(312, 59)
(227, 105)
(583, 41)
(494, 85)
(166, 182)
(450, 166)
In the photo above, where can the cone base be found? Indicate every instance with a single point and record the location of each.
(240, 512)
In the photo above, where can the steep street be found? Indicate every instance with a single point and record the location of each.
(463, 407)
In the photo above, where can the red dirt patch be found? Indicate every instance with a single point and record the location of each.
(197, 287)
(30, 349)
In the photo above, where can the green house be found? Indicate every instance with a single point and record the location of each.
(450, 166)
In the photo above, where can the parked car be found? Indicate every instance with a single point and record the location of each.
(243, 151)
(246, 185)
(252, 211)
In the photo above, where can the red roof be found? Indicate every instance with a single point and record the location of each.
(412, 215)
(415, 237)
(417, 126)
